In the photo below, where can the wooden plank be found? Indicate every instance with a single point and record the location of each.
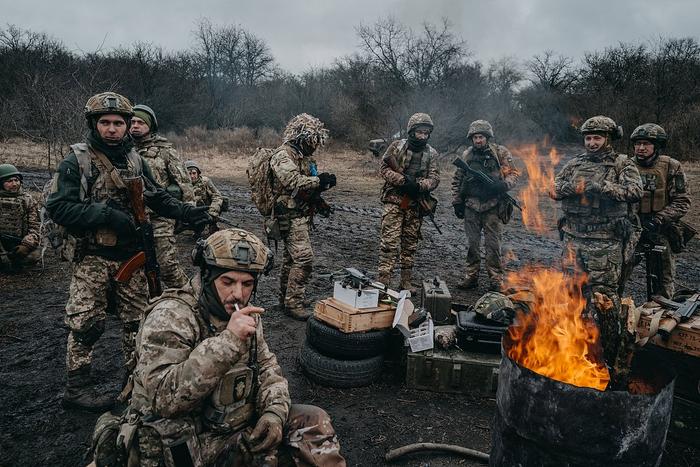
(348, 319)
(685, 338)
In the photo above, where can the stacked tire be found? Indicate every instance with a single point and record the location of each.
(342, 360)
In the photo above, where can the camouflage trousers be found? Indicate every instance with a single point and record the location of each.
(297, 263)
(667, 272)
(400, 230)
(601, 260)
(308, 439)
(92, 290)
(492, 226)
(171, 273)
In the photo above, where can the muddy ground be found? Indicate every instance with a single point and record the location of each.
(35, 430)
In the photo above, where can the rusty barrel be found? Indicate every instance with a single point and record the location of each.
(543, 422)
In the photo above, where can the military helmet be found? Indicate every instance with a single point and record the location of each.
(192, 165)
(108, 103)
(495, 306)
(602, 124)
(652, 132)
(307, 128)
(419, 119)
(236, 250)
(7, 171)
(480, 127)
(151, 114)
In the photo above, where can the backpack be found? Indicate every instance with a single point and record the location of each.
(260, 178)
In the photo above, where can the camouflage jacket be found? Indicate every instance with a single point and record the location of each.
(166, 166)
(496, 162)
(597, 215)
(293, 172)
(206, 194)
(19, 217)
(666, 195)
(184, 363)
(427, 176)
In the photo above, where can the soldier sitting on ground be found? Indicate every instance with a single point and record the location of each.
(19, 222)
(208, 390)
(205, 194)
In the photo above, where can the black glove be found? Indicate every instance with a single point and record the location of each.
(121, 222)
(498, 187)
(162, 203)
(195, 215)
(410, 186)
(326, 181)
(459, 210)
(651, 225)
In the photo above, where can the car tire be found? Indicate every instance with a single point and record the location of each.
(345, 346)
(335, 373)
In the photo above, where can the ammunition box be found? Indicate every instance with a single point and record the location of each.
(437, 300)
(452, 371)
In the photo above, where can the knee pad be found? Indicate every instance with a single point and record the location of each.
(90, 333)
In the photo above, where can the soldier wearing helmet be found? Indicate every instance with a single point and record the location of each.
(19, 222)
(169, 172)
(664, 202)
(296, 182)
(597, 190)
(410, 171)
(482, 206)
(90, 201)
(205, 194)
(207, 380)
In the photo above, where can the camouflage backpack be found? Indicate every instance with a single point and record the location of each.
(260, 178)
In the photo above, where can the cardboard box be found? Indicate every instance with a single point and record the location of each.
(685, 338)
(453, 371)
(349, 319)
(356, 298)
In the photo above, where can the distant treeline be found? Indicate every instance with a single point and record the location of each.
(229, 79)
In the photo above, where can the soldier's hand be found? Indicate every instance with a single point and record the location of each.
(327, 181)
(121, 222)
(195, 215)
(592, 188)
(651, 225)
(241, 323)
(267, 433)
(410, 185)
(459, 210)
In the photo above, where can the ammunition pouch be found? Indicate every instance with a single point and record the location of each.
(105, 237)
(678, 234)
(178, 439)
(105, 448)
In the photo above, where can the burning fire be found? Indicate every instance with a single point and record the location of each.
(553, 339)
(540, 173)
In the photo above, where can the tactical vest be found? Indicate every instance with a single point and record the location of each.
(595, 211)
(202, 196)
(486, 162)
(655, 182)
(419, 162)
(13, 215)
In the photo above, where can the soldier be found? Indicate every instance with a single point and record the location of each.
(205, 194)
(296, 178)
(207, 387)
(90, 201)
(19, 222)
(483, 206)
(169, 172)
(596, 190)
(410, 171)
(665, 200)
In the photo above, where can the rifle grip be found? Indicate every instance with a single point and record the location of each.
(666, 326)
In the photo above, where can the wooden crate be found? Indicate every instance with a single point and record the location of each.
(685, 338)
(348, 319)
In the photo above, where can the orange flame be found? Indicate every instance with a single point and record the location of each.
(534, 197)
(554, 339)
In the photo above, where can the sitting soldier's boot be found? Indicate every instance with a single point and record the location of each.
(469, 283)
(80, 393)
(298, 313)
(406, 282)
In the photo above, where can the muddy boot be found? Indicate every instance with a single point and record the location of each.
(298, 313)
(468, 283)
(80, 393)
(406, 282)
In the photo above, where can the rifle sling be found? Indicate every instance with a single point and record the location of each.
(113, 172)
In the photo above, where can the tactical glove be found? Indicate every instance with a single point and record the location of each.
(592, 188)
(121, 222)
(459, 210)
(651, 225)
(326, 181)
(410, 186)
(195, 215)
(269, 425)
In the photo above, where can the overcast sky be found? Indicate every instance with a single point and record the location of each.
(310, 33)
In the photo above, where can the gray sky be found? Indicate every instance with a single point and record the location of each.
(303, 34)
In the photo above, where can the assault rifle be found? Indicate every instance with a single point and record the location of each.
(485, 179)
(424, 206)
(652, 261)
(147, 256)
(680, 313)
(313, 199)
(352, 277)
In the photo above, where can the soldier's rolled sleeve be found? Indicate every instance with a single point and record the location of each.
(628, 186)
(287, 173)
(273, 394)
(178, 375)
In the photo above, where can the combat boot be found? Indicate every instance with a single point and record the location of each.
(468, 283)
(80, 393)
(298, 313)
(406, 282)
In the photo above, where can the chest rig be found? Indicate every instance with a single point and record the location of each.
(13, 215)
(655, 183)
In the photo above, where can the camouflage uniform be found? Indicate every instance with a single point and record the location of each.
(19, 217)
(401, 227)
(193, 382)
(169, 172)
(206, 194)
(665, 201)
(295, 171)
(598, 224)
(483, 209)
